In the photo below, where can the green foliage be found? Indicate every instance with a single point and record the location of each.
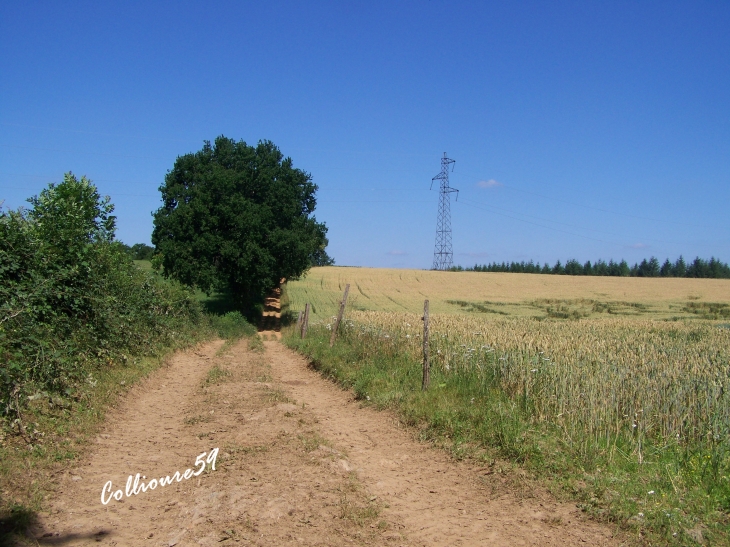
(70, 215)
(321, 258)
(72, 300)
(232, 325)
(237, 218)
(140, 251)
(661, 492)
(712, 268)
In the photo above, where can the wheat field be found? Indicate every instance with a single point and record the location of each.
(507, 294)
(597, 355)
(596, 377)
(627, 378)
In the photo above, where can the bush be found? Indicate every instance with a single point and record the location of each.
(232, 325)
(71, 299)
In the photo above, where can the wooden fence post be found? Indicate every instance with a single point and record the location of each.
(426, 360)
(339, 316)
(305, 321)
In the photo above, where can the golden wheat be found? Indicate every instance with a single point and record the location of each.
(615, 369)
(499, 294)
(601, 377)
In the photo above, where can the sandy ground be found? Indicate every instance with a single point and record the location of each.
(300, 463)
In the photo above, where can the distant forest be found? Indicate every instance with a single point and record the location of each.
(712, 268)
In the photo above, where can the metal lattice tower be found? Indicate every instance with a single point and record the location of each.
(443, 253)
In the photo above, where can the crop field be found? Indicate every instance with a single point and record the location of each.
(625, 375)
(649, 364)
(510, 294)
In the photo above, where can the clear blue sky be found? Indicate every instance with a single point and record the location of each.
(580, 129)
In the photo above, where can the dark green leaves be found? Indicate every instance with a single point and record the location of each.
(237, 218)
(70, 298)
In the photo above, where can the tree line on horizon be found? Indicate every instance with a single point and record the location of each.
(698, 268)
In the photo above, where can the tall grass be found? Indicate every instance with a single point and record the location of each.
(631, 416)
(601, 378)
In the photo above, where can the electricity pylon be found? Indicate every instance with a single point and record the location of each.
(443, 254)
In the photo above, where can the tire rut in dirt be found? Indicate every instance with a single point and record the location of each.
(435, 499)
(278, 479)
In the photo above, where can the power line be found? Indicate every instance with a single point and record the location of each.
(548, 227)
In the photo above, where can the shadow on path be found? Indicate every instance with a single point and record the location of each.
(270, 324)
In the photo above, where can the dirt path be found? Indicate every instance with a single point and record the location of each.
(270, 325)
(300, 463)
(431, 499)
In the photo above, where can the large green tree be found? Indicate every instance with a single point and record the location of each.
(237, 217)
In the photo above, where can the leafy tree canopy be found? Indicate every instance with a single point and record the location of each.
(72, 214)
(72, 300)
(139, 251)
(239, 218)
(321, 258)
(713, 268)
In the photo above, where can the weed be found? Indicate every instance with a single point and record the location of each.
(312, 441)
(354, 506)
(278, 395)
(193, 420)
(215, 375)
(232, 325)
(15, 519)
(256, 344)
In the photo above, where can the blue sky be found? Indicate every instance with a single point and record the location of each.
(580, 129)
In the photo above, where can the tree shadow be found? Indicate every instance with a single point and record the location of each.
(72, 538)
(13, 524)
(219, 303)
(269, 320)
(288, 317)
(16, 524)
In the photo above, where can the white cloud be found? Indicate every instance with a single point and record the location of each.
(639, 246)
(491, 183)
(397, 252)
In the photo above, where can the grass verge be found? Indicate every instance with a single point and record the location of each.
(667, 494)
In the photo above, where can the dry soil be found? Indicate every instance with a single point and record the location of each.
(300, 463)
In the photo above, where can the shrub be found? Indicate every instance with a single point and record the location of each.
(71, 299)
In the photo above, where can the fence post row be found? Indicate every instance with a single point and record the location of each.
(339, 316)
(305, 321)
(426, 360)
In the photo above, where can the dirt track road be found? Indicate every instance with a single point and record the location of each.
(300, 463)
